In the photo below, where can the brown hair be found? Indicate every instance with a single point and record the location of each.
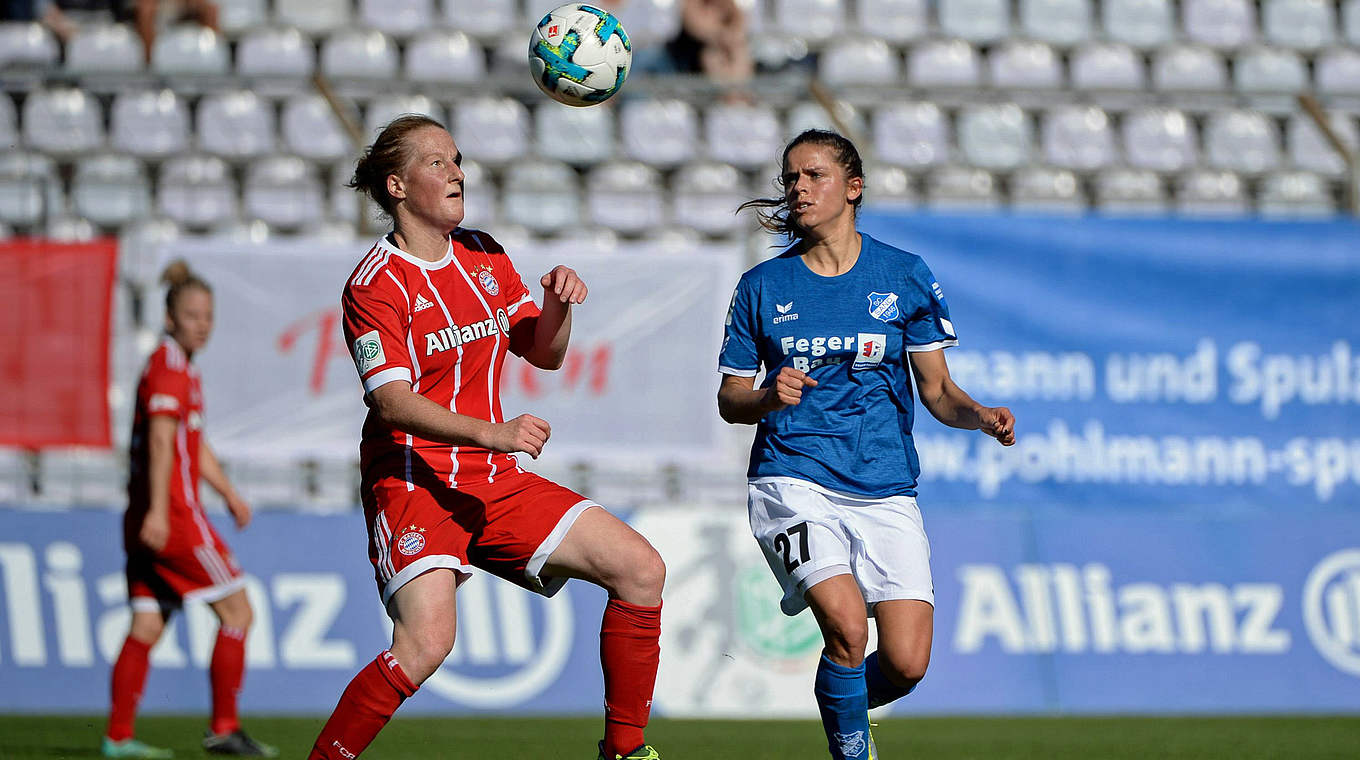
(179, 278)
(388, 155)
(778, 220)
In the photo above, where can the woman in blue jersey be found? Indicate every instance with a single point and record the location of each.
(835, 321)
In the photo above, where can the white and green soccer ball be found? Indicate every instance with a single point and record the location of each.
(579, 54)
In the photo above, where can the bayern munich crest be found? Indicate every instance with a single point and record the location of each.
(412, 541)
(488, 282)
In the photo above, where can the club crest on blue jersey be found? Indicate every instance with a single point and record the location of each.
(883, 306)
(412, 541)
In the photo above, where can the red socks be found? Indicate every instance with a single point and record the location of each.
(224, 673)
(364, 708)
(129, 678)
(630, 650)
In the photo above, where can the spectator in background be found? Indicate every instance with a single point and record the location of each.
(173, 552)
(712, 41)
(151, 15)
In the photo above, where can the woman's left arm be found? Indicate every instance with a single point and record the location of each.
(552, 328)
(949, 404)
(211, 471)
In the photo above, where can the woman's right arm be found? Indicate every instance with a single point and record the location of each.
(155, 531)
(401, 408)
(740, 403)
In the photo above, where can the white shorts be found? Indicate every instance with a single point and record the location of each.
(810, 533)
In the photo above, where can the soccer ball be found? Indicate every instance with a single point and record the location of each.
(579, 54)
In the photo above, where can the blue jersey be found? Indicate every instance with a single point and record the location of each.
(851, 333)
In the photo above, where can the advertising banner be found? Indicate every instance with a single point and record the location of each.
(1078, 612)
(55, 301)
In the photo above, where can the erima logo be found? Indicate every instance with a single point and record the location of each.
(784, 315)
(422, 303)
(454, 336)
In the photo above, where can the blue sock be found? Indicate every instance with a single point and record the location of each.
(881, 690)
(844, 703)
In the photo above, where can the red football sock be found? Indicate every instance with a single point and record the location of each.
(364, 708)
(129, 678)
(630, 649)
(225, 673)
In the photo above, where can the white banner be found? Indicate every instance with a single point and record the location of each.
(638, 384)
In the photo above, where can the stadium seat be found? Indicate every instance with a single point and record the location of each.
(314, 17)
(29, 187)
(82, 476)
(384, 108)
(889, 187)
(487, 19)
(140, 243)
(333, 484)
(810, 115)
(196, 191)
(1050, 191)
(1107, 66)
(542, 196)
(1206, 193)
(662, 132)
(310, 129)
(650, 23)
(27, 45)
(1159, 139)
(814, 21)
(747, 136)
(110, 190)
(625, 196)
(62, 121)
(1350, 21)
(668, 240)
(1295, 195)
(1058, 22)
(481, 197)
(575, 135)
(1141, 23)
(492, 130)
(444, 56)
(897, 21)
(235, 124)
(399, 18)
(275, 52)
(1310, 151)
(16, 476)
(960, 189)
(239, 232)
(996, 137)
(944, 64)
(978, 21)
(1241, 141)
(359, 54)
(1299, 24)
(69, 228)
(237, 16)
(912, 135)
(1078, 137)
(1267, 70)
(1337, 71)
(705, 196)
(283, 192)
(190, 49)
(1130, 192)
(328, 230)
(1220, 23)
(149, 123)
(1024, 65)
(105, 49)
(9, 122)
(348, 205)
(859, 61)
(1188, 68)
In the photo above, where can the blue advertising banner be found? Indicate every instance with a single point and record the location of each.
(1149, 362)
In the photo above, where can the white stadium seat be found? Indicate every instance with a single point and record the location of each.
(27, 45)
(237, 16)
(959, 189)
(662, 132)
(978, 21)
(110, 190)
(810, 115)
(190, 49)
(1310, 151)
(399, 18)
(814, 21)
(1057, 22)
(859, 61)
(543, 196)
(360, 54)
(481, 196)
(9, 122)
(62, 121)
(1205, 193)
(235, 124)
(747, 136)
(1141, 23)
(492, 130)
(1024, 65)
(283, 192)
(705, 196)
(384, 108)
(1350, 21)
(1241, 141)
(196, 191)
(310, 129)
(1337, 71)
(82, 476)
(625, 196)
(897, 21)
(1188, 68)
(29, 187)
(913, 135)
(1078, 137)
(1107, 66)
(149, 123)
(105, 49)
(1130, 192)
(487, 19)
(943, 64)
(1159, 139)
(313, 16)
(69, 228)
(889, 187)
(997, 137)
(1220, 23)
(574, 135)
(275, 52)
(1299, 24)
(1045, 190)
(443, 56)
(650, 23)
(1296, 195)
(1270, 70)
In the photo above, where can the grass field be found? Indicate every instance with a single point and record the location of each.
(1314, 738)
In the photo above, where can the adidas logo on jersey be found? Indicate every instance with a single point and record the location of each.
(422, 303)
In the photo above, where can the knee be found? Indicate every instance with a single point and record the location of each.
(147, 628)
(846, 638)
(904, 669)
(425, 652)
(239, 615)
(639, 575)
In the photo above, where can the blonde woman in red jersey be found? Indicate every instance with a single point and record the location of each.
(173, 551)
(429, 314)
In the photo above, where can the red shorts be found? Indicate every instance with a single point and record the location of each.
(195, 564)
(507, 528)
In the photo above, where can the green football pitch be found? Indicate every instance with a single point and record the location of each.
(1313, 738)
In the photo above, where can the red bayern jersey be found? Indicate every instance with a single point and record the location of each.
(445, 327)
(170, 385)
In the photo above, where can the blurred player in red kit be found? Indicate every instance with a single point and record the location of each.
(429, 314)
(173, 552)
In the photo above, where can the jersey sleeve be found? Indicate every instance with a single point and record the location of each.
(519, 304)
(928, 328)
(739, 355)
(376, 321)
(167, 390)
